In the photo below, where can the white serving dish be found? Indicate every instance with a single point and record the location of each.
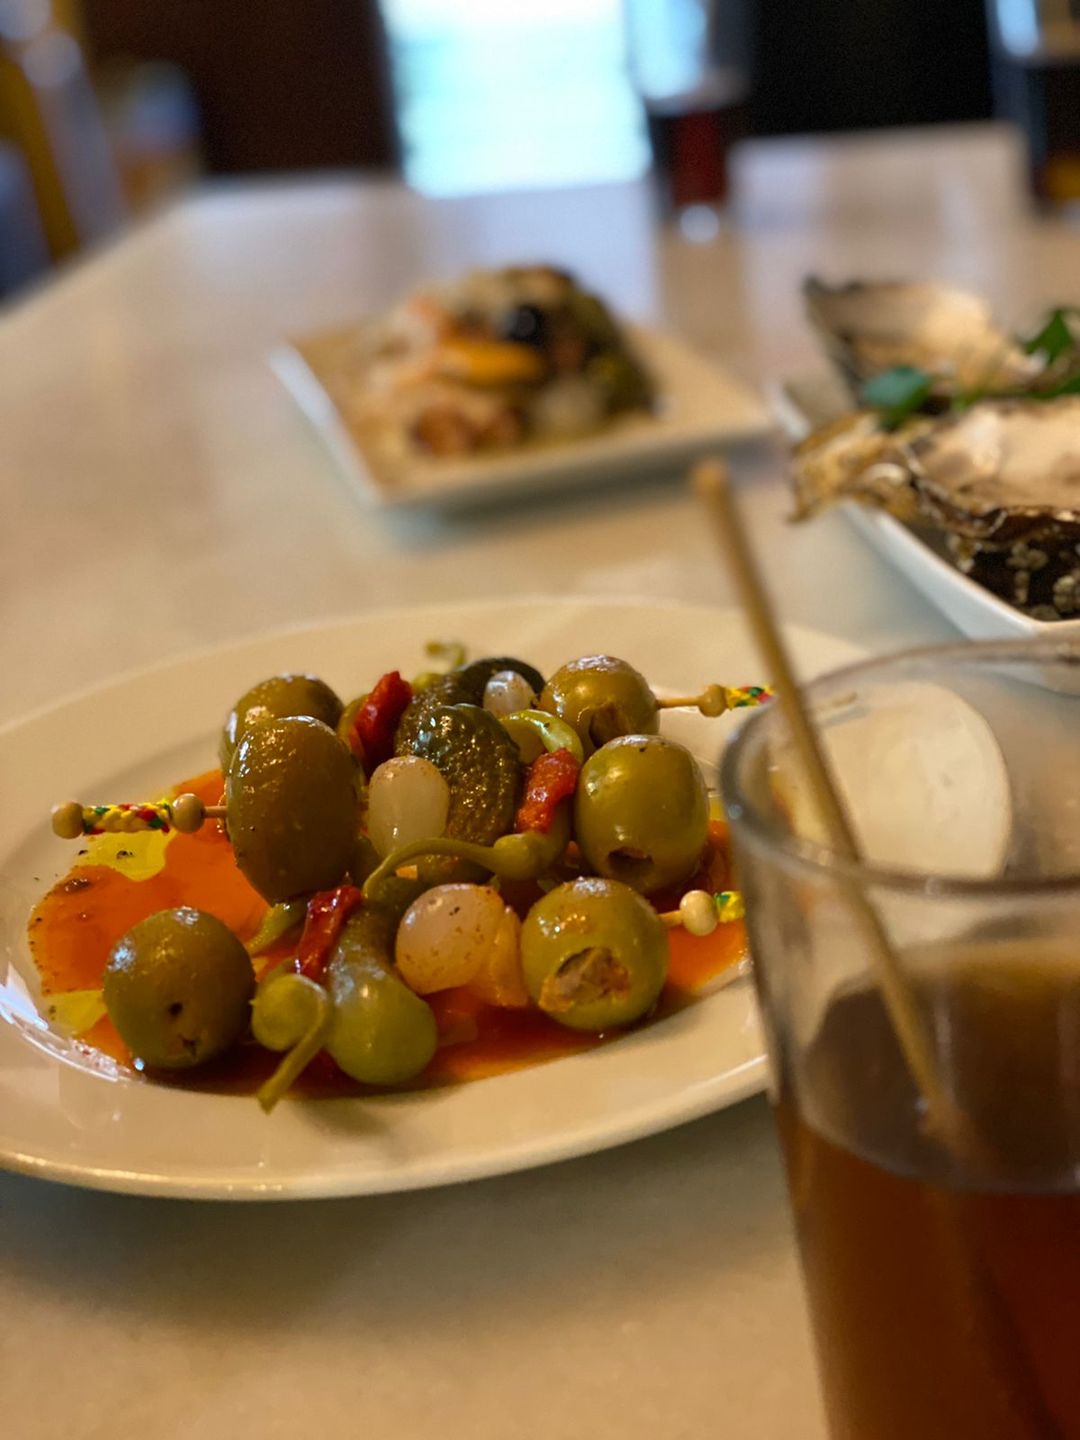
(65, 1118)
(700, 407)
(802, 403)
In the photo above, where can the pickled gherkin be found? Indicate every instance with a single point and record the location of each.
(463, 686)
(481, 765)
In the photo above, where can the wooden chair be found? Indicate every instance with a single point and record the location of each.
(48, 109)
(280, 84)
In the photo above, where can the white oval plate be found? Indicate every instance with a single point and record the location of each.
(63, 1119)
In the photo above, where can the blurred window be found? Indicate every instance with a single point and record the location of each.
(1018, 23)
(502, 94)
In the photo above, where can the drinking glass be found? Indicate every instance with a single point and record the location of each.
(1035, 55)
(689, 63)
(942, 1262)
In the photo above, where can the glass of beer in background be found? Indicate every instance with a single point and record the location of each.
(1035, 51)
(943, 1278)
(689, 63)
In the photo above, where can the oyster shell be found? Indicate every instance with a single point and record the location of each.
(869, 327)
(998, 483)
(853, 458)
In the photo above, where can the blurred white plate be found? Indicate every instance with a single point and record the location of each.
(804, 402)
(700, 407)
(65, 1119)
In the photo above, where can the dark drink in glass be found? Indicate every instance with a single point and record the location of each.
(946, 1307)
(1047, 106)
(690, 138)
(1036, 59)
(689, 63)
(941, 1260)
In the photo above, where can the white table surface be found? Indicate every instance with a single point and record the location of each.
(159, 492)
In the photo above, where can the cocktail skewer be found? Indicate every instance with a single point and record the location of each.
(185, 813)
(701, 911)
(72, 820)
(716, 700)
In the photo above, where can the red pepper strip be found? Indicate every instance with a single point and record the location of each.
(552, 777)
(352, 739)
(377, 718)
(326, 915)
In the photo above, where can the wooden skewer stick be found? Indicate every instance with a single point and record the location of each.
(944, 1118)
(186, 814)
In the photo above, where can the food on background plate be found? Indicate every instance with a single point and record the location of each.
(439, 880)
(490, 362)
(870, 327)
(967, 435)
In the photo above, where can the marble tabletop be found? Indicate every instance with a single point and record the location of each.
(160, 492)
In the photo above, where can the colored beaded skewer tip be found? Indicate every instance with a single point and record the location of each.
(701, 911)
(186, 814)
(716, 700)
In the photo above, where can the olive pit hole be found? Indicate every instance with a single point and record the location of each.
(582, 979)
(604, 725)
(632, 867)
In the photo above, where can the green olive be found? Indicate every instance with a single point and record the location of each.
(273, 699)
(641, 812)
(594, 954)
(601, 698)
(177, 988)
(381, 1032)
(291, 807)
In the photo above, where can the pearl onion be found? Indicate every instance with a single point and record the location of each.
(697, 908)
(408, 799)
(507, 692)
(500, 980)
(448, 934)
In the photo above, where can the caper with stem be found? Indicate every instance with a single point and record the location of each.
(380, 1032)
(290, 1013)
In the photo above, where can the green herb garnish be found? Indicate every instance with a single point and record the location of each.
(897, 393)
(1054, 337)
(903, 391)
